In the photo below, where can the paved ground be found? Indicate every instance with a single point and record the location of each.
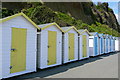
(105, 66)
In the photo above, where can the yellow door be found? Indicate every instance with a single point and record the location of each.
(84, 45)
(18, 50)
(71, 46)
(52, 37)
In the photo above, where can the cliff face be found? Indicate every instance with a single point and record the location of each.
(87, 12)
(72, 13)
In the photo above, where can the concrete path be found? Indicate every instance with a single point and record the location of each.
(105, 66)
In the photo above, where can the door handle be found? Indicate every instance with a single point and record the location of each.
(13, 49)
(69, 47)
(48, 46)
(48, 61)
(10, 67)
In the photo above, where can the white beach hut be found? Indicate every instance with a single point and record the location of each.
(117, 46)
(113, 44)
(94, 44)
(101, 43)
(49, 47)
(18, 51)
(84, 44)
(70, 44)
(110, 40)
(106, 43)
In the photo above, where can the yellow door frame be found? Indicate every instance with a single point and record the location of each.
(52, 41)
(71, 45)
(18, 50)
(84, 45)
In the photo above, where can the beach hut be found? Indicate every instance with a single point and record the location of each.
(18, 45)
(113, 44)
(110, 40)
(49, 47)
(117, 46)
(84, 44)
(1, 51)
(101, 43)
(94, 44)
(70, 44)
(106, 43)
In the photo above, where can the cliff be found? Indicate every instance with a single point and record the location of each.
(87, 12)
(83, 15)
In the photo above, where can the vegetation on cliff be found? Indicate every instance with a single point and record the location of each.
(42, 14)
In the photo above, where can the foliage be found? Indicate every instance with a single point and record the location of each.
(5, 12)
(42, 14)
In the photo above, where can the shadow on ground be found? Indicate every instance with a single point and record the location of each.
(58, 69)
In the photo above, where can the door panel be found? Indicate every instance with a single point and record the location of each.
(18, 50)
(84, 45)
(101, 45)
(96, 46)
(52, 37)
(107, 45)
(71, 45)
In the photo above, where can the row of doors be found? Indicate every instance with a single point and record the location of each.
(52, 40)
(18, 48)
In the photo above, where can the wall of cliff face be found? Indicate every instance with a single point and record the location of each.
(87, 12)
(82, 15)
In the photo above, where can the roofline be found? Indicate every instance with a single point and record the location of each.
(51, 25)
(19, 14)
(87, 32)
(72, 27)
(95, 34)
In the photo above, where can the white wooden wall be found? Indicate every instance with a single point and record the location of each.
(99, 42)
(91, 45)
(106, 46)
(66, 48)
(80, 48)
(43, 49)
(103, 46)
(92, 48)
(117, 45)
(109, 40)
(18, 22)
(0, 51)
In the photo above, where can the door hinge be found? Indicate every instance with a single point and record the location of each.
(69, 47)
(48, 46)
(48, 61)
(10, 67)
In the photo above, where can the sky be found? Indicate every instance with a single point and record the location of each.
(112, 4)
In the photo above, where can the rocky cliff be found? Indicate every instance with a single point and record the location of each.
(83, 15)
(87, 12)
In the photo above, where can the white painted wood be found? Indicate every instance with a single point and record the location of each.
(92, 47)
(18, 22)
(80, 46)
(43, 49)
(101, 42)
(0, 51)
(117, 44)
(66, 46)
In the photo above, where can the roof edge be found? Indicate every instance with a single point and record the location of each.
(54, 23)
(19, 14)
(72, 27)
